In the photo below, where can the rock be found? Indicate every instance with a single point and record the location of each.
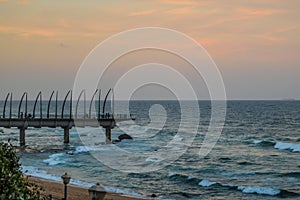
(125, 137)
(153, 195)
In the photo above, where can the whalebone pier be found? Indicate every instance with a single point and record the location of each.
(64, 118)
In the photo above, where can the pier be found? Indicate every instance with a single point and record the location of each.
(65, 118)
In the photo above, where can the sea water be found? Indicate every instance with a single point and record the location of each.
(257, 156)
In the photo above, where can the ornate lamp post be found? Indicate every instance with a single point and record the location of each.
(66, 180)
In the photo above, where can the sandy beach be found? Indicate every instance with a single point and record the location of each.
(74, 192)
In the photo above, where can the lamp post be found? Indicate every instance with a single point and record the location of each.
(66, 180)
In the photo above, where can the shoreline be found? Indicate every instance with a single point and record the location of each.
(56, 189)
(32, 173)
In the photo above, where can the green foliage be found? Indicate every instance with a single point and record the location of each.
(12, 183)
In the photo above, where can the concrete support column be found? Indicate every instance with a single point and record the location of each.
(66, 135)
(22, 136)
(108, 133)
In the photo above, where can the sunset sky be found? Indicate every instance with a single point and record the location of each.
(255, 44)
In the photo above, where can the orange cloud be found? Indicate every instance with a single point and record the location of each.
(143, 12)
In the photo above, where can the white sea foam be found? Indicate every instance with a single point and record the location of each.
(120, 191)
(177, 138)
(171, 174)
(259, 190)
(32, 171)
(82, 149)
(288, 146)
(257, 141)
(152, 159)
(55, 159)
(163, 198)
(177, 148)
(206, 183)
(255, 189)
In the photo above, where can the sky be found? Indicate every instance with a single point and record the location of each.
(255, 44)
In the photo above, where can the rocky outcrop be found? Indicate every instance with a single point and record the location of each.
(125, 137)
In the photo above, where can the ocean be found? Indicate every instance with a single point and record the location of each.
(257, 155)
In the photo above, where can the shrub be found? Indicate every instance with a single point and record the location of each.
(12, 182)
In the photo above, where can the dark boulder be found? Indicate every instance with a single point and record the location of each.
(125, 137)
(153, 195)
